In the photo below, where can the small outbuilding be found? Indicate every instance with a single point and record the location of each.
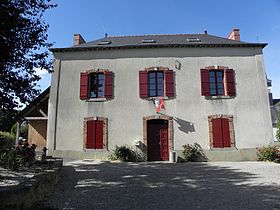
(36, 114)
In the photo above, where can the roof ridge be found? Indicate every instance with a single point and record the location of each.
(120, 36)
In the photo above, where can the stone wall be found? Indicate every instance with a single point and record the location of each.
(28, 193)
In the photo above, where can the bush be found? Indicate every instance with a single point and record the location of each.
(269, 153)
(10, 159)
(16, 158)
(23, 130)
(123, 153)
(193, 153)
(7, 140)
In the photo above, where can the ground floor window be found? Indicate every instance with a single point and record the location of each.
(221, 131)
(95, 133)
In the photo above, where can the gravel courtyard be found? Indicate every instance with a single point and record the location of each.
(159, 185)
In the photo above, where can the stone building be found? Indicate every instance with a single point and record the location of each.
(208, 89)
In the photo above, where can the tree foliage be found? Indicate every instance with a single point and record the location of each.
(24, 48)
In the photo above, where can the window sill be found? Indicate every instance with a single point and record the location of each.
(94, 150)
(218, 97)
(96, 99)
(229, 149)
(152, 98)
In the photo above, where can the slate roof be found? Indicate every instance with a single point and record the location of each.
(155, 41)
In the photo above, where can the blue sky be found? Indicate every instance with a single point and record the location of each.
(258, 21)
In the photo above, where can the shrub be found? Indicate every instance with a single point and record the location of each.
(269, 153)
(16, 158)
(193, 153)
(123, 153)
(7, 140)
(10, 159)
(23, 130)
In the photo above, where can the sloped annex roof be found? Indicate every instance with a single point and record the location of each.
(32, 109)
(156, 41)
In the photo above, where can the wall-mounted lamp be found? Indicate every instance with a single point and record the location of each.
(177, 65)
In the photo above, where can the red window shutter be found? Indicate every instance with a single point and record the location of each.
(90, 143)
(226, 133)
(217, 133)
(108, 85)
(169, 83)
(205, 83)
(99, 135)
(83, 85)
(143, 84)
(230, 82)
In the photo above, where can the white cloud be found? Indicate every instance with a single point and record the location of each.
(40, 72)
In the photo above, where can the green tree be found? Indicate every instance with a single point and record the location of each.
(23, 48)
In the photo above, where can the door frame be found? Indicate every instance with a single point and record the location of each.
(170, 131)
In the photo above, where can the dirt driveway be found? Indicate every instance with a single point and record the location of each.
(159, 185)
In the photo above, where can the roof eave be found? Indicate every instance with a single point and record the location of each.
(33, 104)
(199, 45)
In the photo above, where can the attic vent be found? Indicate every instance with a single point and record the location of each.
(193, 39)
(148, 41)
(104, 42)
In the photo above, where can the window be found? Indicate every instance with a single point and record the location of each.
(193, 39)
(94, 85)
(94, 134)
(148, 41)
(216, 79)
(217, 82)
(221, 128)
(156, 83)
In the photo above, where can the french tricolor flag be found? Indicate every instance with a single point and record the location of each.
(159, 103)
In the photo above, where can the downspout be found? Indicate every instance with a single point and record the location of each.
(56, 103)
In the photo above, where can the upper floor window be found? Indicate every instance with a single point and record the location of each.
(96, 85)
(217, 82)
(155, 83)
(216, 79)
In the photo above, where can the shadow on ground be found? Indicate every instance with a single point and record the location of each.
(159, 186)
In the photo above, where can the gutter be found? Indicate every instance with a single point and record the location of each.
(196, 45)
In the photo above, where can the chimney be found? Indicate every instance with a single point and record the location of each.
(78, 39)
(234, 34)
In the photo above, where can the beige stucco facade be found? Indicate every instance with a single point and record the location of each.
(188, 109)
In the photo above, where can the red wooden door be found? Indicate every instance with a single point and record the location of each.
(157, 140)
(164, 144)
